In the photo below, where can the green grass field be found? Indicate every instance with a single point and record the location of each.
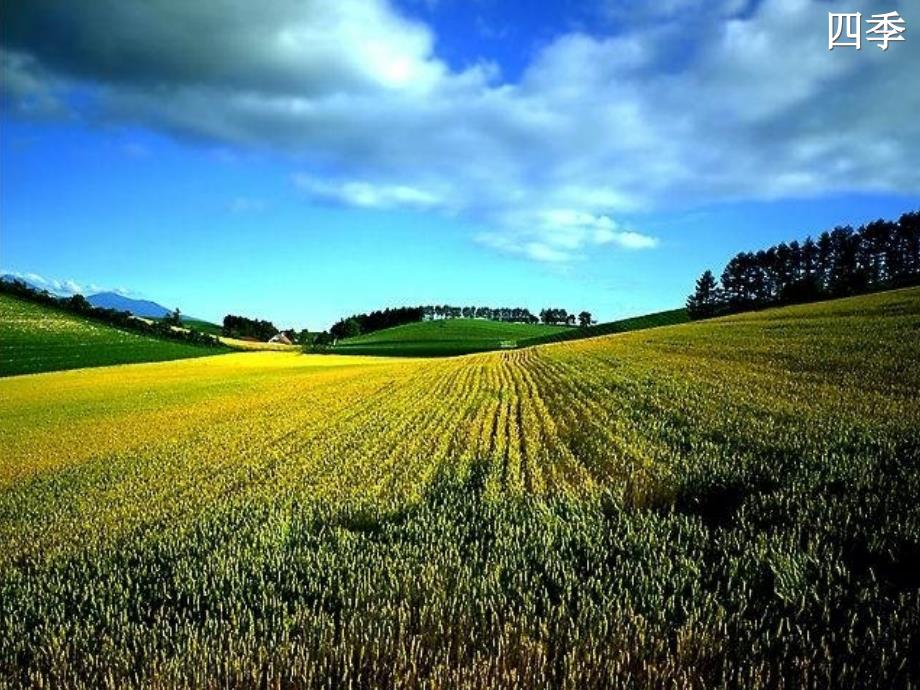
(465, 336)
(35, 338)
(198, 325)
(727, 503)
(202, 326)
(636, 323)
(444, 338)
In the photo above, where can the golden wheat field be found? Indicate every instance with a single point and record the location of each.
(722, 503)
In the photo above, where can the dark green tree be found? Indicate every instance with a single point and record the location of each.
(79, 303)
(351, 328)
(706, 299)
(844, 261)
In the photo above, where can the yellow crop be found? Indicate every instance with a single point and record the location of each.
(238, 344)
(645, 508)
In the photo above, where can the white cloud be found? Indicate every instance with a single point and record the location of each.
(734, 101)
(28, 89)
(369, 195)
(71, 287)
(53, 285)
(561, 235)
(634, 240)
(543, 252)
(62, 287)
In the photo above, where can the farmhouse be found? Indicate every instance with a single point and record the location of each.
(280, 338)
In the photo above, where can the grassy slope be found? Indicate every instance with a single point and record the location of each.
(636, 323)
(465, 336)
(729, 503)
(35, 338)
(233, 343)
(443, 338)
(196, 325)
(201, 326)
(193, 325)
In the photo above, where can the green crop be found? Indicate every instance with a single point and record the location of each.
(729, 503)
(36, 338)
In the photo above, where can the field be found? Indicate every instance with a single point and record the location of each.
(200, 325)
(725, 503)
(467, 336)
(444, 338)
(35, 338)
(252, 346)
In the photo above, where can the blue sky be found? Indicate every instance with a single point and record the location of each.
(311, 161)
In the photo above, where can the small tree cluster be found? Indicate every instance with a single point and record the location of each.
(374, 321)
(557, 317)
(242, 327)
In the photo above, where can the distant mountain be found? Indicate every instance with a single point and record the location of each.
(138, 307)
(108, 300)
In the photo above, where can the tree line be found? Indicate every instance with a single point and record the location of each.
(79, 305)
(561, 317)
(387, 318)
(506, 314)
(242, 327)
(374, 321)
(549, 315)
(880, 255)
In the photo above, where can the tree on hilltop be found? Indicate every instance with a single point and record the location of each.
(706, 298)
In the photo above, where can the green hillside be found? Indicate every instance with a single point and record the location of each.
(465, 336)
(201, 326)
(444, 338)
(35, 338)
(636, 323)
(198, 325)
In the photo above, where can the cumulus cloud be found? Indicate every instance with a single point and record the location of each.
(368, 194)
(57, 286)
(29, 90)
(559, 235)
(742, 102)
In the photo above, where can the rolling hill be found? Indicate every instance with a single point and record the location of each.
(726, 503)
(145, 309)
(444, 338)
(35, 338)
(465, 336)
(635, 323)
(200, 325)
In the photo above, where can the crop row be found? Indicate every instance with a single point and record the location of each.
(725, 503)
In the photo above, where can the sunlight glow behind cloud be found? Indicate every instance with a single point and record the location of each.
(598, 128)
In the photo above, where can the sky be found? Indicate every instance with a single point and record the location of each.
(303, 160)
